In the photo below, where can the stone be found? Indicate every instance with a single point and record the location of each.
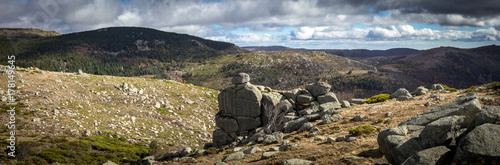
(220, 163)
(388, 114)
(329, 106)
(294, 125)
(305, 127)
(350, 139)
(201, 152)
(337, 116)
(327, 98)
(304, 99)
(441, 131)
(421, 90)
(319, 139)
(481, 142)
(340, 139)
(228, 124)
(233, 156)
(435, 155)
(310, 110)
(221, 137)
(429, 104)
(467, 106)
(273, 138)
(318, 88)
(252, 150)
(352, 157)
(268, 154)
(241, 78)
(357, 101)
(240, 100)
(287, 147)
(402, 94)
(277, 148)
(359, 117)
(186, 151)
(108, 162)
(489, 114)
(314, 131)
(148, 162)
(248, 123)
(330, 139)
(375, 107)
(437, 87)
(345, 104)
(296, 162)
(327, 119)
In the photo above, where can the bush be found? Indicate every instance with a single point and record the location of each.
(378, 98)
(471, 89)
(494, 85)
(447, 88)
(362, 129)
(212, 150)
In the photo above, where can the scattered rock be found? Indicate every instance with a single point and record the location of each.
(357, 101)
(294, 125)
(233, 156)
(352, 157)
(330, 139)
(268, 154)
(345, 104)
(429, 104)
(375, 107)
(437, 87)
(350, 139)
(296, 162)
(388, 114)
(252, 150)
(108, 162)
(305, 127)
(359, 117)
(421, 90)
(402, 94)
(319, 139)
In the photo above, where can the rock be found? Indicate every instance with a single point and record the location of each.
(220, 163)
(285, 142)
(441, 131)
(329, 106)
(352, 157)
(327, 98)
(318, 88)
(357, 101)
(330, 139)
(274, 148)
(340, 139)
(304, 98)
(337, 116)
(287, 147)
(108, 162)
(273, 138)
(305, 127)
(248, 123)
(359, 117)
(467, 106)
(148, 162)
(186, 151)
(314, 131)
(489, 114)
(319, 139)
(345, 104)
(310, 110)
(80, 72)
(421, 90)
(434, 96)
(228, 124)
(157, 104)
(201, 152)
(435, 155)
(236, 149)
(375, 107)
(233, 156)
(402, 94)
(294, 125)
(327, 119)
(241, 78)
(220, 138)
(388, 114)
(350, 139)
(240, 100)
(268, 154)
(37, 120)
(482, 142)
(437, 87)
(429, 104)
(296, 162)
(252, 150)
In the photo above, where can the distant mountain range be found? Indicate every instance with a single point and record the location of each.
(350, 53)
(26, 33)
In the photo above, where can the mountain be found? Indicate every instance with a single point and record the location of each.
(26, 33)
(349, 53)
(459, 68)
(122, 51)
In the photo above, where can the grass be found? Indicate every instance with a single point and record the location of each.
(378, 98)
(360, 130)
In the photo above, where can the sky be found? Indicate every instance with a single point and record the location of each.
(312, 24)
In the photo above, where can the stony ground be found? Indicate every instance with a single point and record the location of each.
(180, 115)
(70, 104)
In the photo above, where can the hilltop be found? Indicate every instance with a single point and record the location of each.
(26, 33)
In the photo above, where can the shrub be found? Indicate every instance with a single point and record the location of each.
(494, 85)
(362, 129)
(471, 89)
(378, 98)
(212, 150)
(228, 151)
(447, 88)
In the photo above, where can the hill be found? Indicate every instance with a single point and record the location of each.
(86, 119)
(121, 51)
(455, 67)
(26, 33)
(270, 48)
(349, 53)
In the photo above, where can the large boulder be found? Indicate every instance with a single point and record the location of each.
(241, 78)
(328, 97)
(435, 155)
(294, 124)
(401, 94)
(240, 100)
(489, 114)
(399, 143)
(441, 132)
(466, 106)
(234, 156)
(421, 90)
(304, 98)
(228, 124)
(248, 123)
(221, 138)
(482, 142)
(357, 101)
(318, 88)
(437, 87)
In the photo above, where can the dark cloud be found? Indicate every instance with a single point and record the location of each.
(467, 8)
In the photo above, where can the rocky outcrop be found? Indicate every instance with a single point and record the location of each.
(402, 94)
(255, 113)
(456, 132)
(421, 90)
